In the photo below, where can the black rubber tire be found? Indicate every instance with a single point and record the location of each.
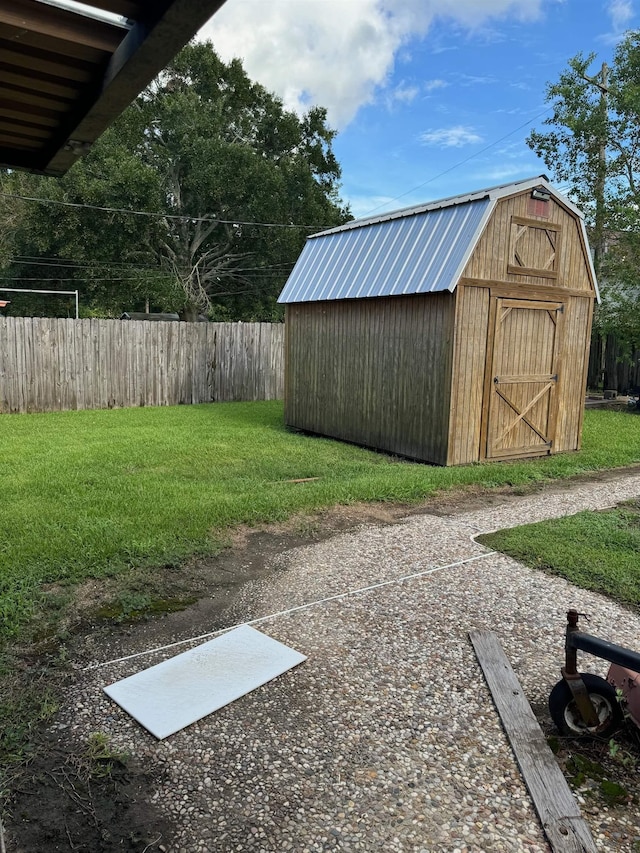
(567, 717)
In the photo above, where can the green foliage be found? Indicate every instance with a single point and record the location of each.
(592, 111)
(571, 149)
(23, 708)
(204, 149)
(100, 757)
(613, 793)
(95, 494)
(593, 146)
(131, 605)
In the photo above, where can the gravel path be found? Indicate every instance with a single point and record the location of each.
(386, 739)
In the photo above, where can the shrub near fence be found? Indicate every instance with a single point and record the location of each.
(56, 364)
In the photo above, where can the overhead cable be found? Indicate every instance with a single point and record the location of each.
(457, 165)
(152, 214)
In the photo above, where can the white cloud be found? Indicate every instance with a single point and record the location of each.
(363, 205)
(431, 85)
(333, 52)
(450, 137)
(621, 14)
(506, 173)
(510, 150)
(404, 94)
(475, 80)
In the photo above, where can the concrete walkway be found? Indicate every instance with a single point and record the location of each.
(386, 739)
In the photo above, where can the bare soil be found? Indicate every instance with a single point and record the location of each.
(63, 804)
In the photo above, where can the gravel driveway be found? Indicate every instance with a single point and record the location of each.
(386, 739)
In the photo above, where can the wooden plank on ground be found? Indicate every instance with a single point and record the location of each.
(564, 826)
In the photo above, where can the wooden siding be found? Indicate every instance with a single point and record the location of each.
(492, 258)
(534, 247)
(473, 351)
(467, 383)
(573, 373)
(56, 364)
(522, 377)
(376, 372)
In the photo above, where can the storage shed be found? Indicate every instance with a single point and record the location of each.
(451, 332)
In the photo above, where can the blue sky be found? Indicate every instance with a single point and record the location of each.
(430, 97)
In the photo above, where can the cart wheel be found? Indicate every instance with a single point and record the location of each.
(566, 715)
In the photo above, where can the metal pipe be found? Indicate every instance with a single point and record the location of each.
(571, 657)
(573, 678)
(50, 292)
(603, 649)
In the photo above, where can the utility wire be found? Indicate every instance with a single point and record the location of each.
(337, 597)
(81, 265)
(78, 265)
(177, 216)
(56, 278)
(461, 163)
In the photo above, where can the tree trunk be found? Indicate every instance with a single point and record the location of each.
(189, 313)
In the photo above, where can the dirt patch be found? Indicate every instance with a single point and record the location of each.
(67, 800)
(602, 774)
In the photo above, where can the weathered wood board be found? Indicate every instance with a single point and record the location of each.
(564, 826)
(376, 372)
(58, 364)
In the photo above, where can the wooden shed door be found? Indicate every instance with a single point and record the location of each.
(523, 376)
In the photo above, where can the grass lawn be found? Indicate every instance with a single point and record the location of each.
(594, 550)
(92, 494)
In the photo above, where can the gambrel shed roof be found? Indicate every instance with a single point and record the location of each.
(419, 249)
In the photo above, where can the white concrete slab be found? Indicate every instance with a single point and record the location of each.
(175, 693)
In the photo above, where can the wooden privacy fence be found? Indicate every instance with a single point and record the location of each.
(55, 364)
(617, 368)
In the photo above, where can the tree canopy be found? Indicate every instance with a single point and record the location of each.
(227, 185)
(592, 145)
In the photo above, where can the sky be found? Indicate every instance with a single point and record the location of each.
(429, 98)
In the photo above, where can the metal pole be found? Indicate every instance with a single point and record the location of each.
(25, 290)
(601, 82)
(50, 292)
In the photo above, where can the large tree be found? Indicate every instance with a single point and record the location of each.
(232, 181)
(592, 145)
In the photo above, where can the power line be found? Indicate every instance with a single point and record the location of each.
(177, 216)
(44, 261)
(461, 163)
(76, 280)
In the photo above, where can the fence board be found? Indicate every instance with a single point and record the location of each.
(54, 364)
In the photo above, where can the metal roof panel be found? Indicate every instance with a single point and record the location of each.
(418, 253)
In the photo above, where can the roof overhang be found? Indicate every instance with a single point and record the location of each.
(67, 69)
